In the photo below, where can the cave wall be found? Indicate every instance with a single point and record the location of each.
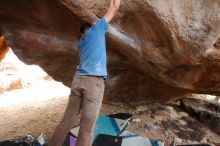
(157, 50)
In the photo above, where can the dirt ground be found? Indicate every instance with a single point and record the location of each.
(156, 121)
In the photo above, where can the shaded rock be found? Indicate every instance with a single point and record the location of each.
(205, 111)
(217, 44)
(186, 130)
(165, 110)
(3, 48)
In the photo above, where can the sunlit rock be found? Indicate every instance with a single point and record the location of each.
(27, 84)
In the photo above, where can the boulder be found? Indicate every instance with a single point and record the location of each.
(157, 50)
(206, 112)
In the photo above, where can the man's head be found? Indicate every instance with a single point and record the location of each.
(84, 27)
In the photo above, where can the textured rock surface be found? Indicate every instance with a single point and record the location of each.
(155, 47)
(3, 48)
(206, 112)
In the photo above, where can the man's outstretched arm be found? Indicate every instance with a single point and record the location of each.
(114, 6)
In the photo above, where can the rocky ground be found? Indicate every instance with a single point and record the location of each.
(157, 121)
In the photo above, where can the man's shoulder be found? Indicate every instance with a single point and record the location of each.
(101, 24)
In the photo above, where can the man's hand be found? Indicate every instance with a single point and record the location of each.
(114, 6)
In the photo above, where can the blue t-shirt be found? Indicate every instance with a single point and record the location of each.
(92, 50)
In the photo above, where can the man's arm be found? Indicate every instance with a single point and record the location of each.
(114, 6)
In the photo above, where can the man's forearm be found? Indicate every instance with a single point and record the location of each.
(115, 3)
(114, 6)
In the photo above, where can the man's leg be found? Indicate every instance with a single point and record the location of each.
(72, 110)
(92, 101)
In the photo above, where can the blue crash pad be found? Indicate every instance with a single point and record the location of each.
(105, 125)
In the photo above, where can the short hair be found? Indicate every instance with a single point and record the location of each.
(84, 27)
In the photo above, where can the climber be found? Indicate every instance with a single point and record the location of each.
(88, 83)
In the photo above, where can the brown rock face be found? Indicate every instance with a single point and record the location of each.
(205, 111)
(3, 47)
(217, 44)
(155, 48)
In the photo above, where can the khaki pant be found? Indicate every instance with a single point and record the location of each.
(86, 94)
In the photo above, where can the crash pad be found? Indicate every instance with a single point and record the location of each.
(70, 140)
(122, 116)
(105, 125)
(130, 139)
(107, 140)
